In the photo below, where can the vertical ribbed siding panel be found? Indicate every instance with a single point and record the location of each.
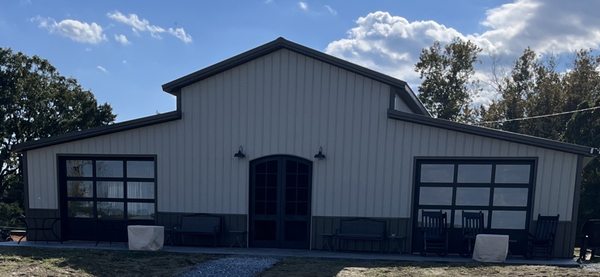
(373, 156)
(210, 142)
(343, 151)
(187, 163)
(195, 147)
(318, 131)
(286, 103)
(332, 183)
(389, 186)
(204, 111)
(218, 144)
(301, 112)
(295, 109)
(50, 191)
(277, 108)
(381, 207)
(269, 133)
(359, 154)
(243, 196)
(234, 140)
(407, 150)
(306, 106)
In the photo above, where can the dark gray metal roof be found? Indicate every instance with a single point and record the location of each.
(98, 131)
(492, 133)
(280, 43)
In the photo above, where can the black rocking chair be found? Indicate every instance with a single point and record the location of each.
(472, 225)
(590, 239)
(542, 241)
(435, 233)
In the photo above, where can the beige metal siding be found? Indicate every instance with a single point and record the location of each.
(286, 103)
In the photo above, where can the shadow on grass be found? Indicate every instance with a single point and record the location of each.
(339, 267)
(77, 262)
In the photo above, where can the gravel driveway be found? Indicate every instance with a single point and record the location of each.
(232, 266)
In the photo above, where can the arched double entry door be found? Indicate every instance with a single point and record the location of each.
(280, 194)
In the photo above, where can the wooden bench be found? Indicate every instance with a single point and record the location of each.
(361, 229)
(199, 225)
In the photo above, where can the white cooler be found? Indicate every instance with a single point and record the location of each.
(490, 248)
(145, 237)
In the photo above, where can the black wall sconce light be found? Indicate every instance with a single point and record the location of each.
(240, 153)
(320, 155)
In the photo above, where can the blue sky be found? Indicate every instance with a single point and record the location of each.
(123, 51)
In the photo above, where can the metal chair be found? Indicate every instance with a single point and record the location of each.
(45, 226)
(435, 232)
(472, 225)
(542, 240)
(590, 239)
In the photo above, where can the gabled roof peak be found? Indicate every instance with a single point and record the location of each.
(410, 98)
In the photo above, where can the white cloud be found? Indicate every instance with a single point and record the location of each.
(392, 44)
(389, 43)
(75, 30)
(303, 6)
(330, 10)
(101, 68)
(122, 39)
(549, 27)
(180, 34)
(138, 25)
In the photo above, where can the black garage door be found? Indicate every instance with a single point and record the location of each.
(100, 196)
(501, 189)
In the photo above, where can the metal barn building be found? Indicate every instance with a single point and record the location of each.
(318, 140)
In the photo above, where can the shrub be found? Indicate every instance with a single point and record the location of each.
(9, 215)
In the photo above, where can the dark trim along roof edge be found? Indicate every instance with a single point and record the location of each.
(280, 43)
(492, 133)
(98, 131)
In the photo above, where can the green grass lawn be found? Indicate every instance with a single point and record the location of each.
(27, 261)
(331, 267)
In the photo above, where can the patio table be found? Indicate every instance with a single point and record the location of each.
(145, 237)
(490, 248)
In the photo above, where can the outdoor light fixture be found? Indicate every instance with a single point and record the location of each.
(320, 155)
(240, 153)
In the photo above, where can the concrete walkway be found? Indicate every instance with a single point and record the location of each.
(298, 253)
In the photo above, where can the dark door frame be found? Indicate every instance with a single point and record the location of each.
(280, 215)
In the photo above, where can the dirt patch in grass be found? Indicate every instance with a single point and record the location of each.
(332, 267)
(26, 261)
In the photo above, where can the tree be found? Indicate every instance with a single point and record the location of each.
(582, 83)
(517, 88)
(37, 102)
(548, 97)
(584, 128)
(514, 90)
(535, 88)
(447, 78)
